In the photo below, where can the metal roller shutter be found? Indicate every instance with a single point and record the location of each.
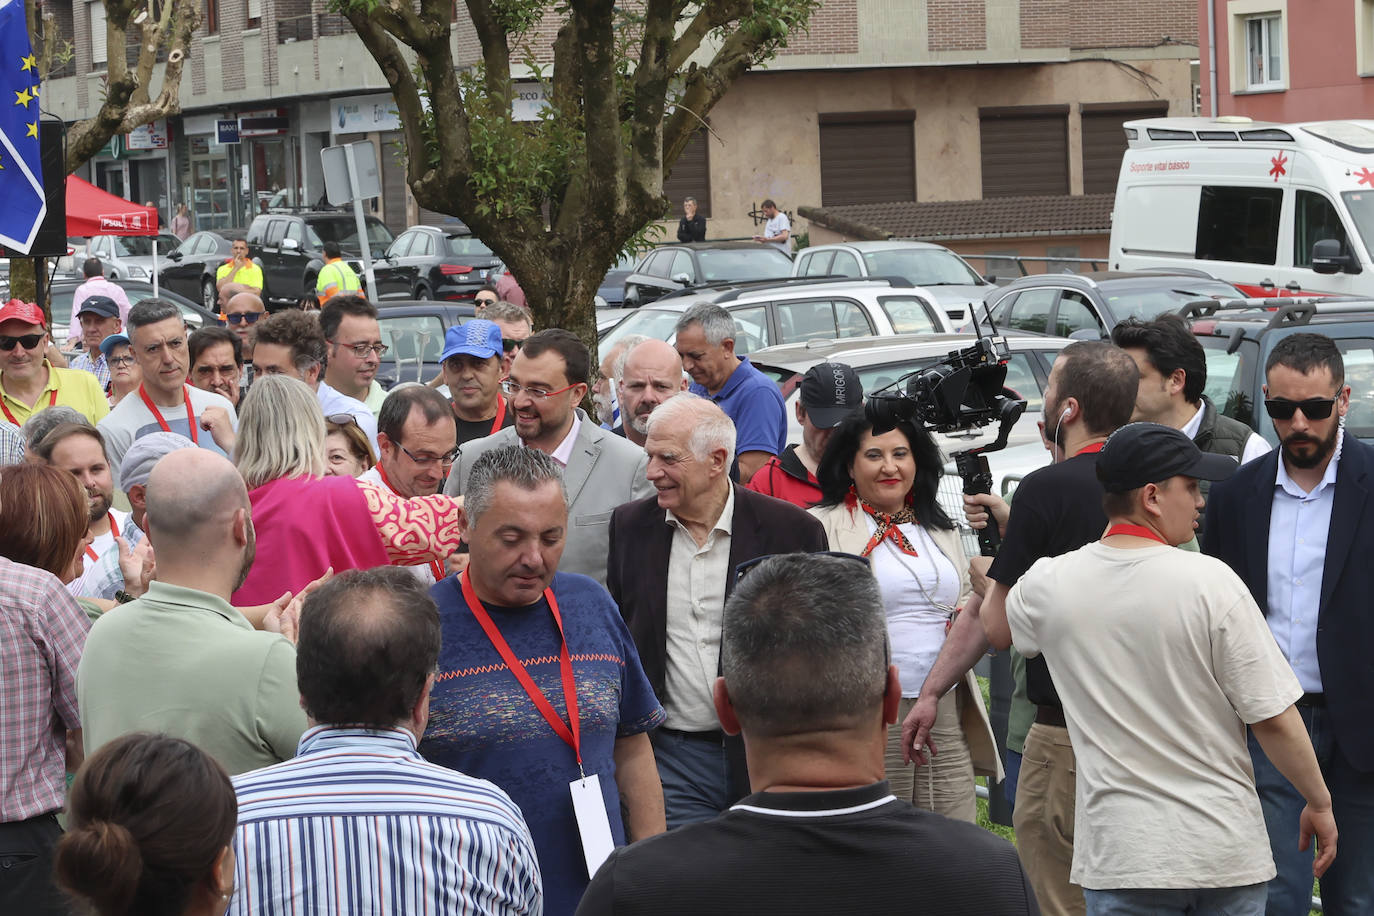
(1025, 151)
(1104, 142)
(691, 176)
(867, 157)
(393, 166)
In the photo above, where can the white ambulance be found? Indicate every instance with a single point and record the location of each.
(1276, 209)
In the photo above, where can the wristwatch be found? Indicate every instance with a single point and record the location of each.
(123, 597)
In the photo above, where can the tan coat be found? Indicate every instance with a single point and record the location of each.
(848, 532)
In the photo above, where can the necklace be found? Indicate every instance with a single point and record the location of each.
(922, 536)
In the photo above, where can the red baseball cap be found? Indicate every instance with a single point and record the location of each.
(18, 310)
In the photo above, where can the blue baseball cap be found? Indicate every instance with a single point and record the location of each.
(478, 337)
(114, 340)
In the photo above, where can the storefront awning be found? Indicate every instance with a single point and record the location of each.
(91, 211)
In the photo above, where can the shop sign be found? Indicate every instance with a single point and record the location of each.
(227, 131)
(148, 136)
(360, 114)
(113, 149)
(268, 123)
(530, 99)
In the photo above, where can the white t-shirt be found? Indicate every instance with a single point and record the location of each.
(334, 402)
(1161, 658)
(130, 419)
(915, 626)
(775, 226)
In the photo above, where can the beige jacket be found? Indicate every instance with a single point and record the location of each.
(847, 532)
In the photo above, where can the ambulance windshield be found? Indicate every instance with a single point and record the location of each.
(1361, 207)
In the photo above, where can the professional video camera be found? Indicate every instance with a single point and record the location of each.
(962, 391)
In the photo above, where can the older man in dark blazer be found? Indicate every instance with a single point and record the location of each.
(1298, 526)
(671, 566)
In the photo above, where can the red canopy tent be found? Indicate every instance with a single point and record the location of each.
(91, 211)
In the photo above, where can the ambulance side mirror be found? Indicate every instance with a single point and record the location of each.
(1328, 259)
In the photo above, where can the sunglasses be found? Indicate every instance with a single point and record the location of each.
(241, 317)
(749, 566)
(28, 342)
(510, 346)
(484, 301)
(343, 419)
(1312, 408)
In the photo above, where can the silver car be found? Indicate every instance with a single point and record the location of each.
(131, 257)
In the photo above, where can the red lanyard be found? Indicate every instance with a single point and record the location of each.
(500, 414)
(52, 399)
(1139, 531)
(114, 529)
(157, 414)
(573, 735)
(1090, 449)
(435, 566)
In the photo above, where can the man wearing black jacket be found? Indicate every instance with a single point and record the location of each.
(692, 226)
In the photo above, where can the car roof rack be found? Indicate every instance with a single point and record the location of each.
(825, 280)
(1284, 310)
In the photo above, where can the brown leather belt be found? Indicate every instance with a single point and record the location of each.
(1050, 715)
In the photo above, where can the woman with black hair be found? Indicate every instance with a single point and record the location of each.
(879, 501)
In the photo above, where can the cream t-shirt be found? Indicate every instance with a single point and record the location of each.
(1161, 657)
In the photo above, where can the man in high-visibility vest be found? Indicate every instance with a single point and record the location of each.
(335, 276)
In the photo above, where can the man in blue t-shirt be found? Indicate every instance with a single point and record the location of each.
(706, 343)
(499, 708)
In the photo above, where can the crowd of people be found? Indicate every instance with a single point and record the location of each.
(309, 645)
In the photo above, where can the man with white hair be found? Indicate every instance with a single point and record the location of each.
(646, 375)
(604, 393)
(706, 343)
(671, 567)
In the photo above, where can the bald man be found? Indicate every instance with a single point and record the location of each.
(605, 392)
(180, 659)
(647, 374)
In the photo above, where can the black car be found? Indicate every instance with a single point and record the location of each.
(612, 289)
(191, 272)
(1090, 304)
(436, 262)
(290, 249)
(672, 268)
(413, 332)
(63, 290)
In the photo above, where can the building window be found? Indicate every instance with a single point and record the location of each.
(1364, 37)
(1024, 150)
(254, 14)
(97, 12)
(867, 157)
(211, 17)
(1104, 139)
(691, 176)
(1264, 52)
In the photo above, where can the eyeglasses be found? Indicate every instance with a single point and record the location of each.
(118, 362)
(343, 419)
(425, 461)
(484, 301)
(748, 566)
(538, 394)
(28, 342)
(1312, 408)
(510, 346)
(241, 318)
(361, 350)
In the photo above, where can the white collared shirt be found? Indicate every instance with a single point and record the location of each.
(1255, 446)
(563, 453)
(696, 602)
(1298, 527)
(332, 401)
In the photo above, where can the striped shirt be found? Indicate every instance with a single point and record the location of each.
(42, 632)
(357, 822)
(97, 366)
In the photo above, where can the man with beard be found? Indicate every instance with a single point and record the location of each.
(180, 660)
(217, 362)
(1295, 525)
(646, 375)
(604, 393)
(80, 450)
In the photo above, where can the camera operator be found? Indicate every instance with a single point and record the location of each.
(1091, 392)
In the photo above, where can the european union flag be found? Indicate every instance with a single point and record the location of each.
(21, 173)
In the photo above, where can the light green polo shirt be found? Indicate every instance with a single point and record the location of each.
(183, 662)
(376, 394)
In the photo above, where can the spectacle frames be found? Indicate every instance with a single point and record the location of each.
(1312, 408)
(424, 461)
(510, 346)
(241, 318)
(481, 301)
(361, 350)
(28, 342)
(538, 394)
(118, 362)
(748, 566)
(343, 419)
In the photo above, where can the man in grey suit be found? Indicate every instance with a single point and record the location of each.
(601, 471)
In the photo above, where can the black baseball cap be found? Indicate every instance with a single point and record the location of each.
(1141, 453)
(100, 305)
(830, 392)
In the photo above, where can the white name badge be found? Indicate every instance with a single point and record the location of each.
(592, 821)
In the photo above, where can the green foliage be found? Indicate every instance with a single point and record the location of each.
(771, 22)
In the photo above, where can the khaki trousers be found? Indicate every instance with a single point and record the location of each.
(1043, 818)
(945, 785)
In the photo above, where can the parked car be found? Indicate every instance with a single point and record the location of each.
(957, 286)
(797, 311)
(1238, 337)
(130, 257)
(434, 262)
(414, 335)
(64, 290)
(673, 268)
(190, 269)
(612, 289)
(289, 247)
(1090, 305)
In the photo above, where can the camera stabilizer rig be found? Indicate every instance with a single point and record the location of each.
(962, 391)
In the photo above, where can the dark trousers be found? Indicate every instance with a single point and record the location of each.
(26, 861)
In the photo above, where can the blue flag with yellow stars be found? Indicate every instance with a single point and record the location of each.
(21, 173)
